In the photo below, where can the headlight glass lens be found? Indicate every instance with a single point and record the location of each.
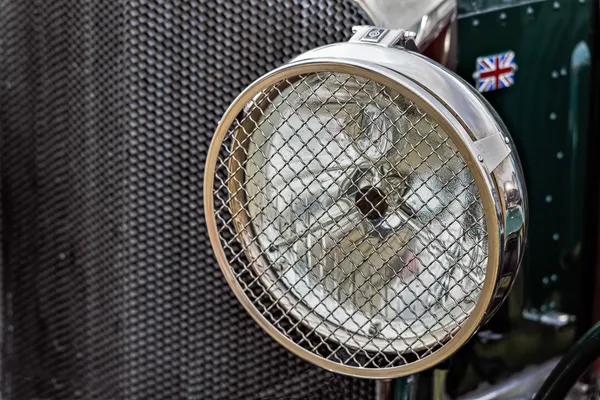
(350, 220)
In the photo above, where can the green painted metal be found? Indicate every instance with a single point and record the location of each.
(403, 388)
(476, 6)
(579, 100)
(547, 112)
(571, 366)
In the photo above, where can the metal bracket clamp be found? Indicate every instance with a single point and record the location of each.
(491, 150)
(384, 37)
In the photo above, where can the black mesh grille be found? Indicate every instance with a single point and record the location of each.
(107, 109)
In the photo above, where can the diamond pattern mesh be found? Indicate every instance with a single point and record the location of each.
(111, 289)
(350, 220)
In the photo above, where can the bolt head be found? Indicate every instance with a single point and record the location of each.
(374, 329)
(408, 35)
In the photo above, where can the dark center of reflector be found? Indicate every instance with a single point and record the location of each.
(371, 203)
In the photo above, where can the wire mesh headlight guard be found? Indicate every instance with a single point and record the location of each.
(366, 206)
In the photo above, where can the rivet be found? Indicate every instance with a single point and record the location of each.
(480, 158)
(545, 280)
(506, 140)
(553, 116)
(529, 10)
(556, 5)
(548, 198)
(62, 256)
(544, 308)
(475, 22)
(555, 237)
(563, 71)
(560, 155)
(554, 277)
(503, 16)
(555, 74)
(582, 1)
(552, 304)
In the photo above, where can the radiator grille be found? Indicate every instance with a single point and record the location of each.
(111, 289)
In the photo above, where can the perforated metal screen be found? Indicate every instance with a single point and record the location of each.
(111, 289)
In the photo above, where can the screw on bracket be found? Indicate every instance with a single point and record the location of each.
(407, 41)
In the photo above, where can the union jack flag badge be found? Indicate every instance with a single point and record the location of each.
(495, 72)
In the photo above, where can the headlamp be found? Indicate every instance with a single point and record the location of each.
(357, 200)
